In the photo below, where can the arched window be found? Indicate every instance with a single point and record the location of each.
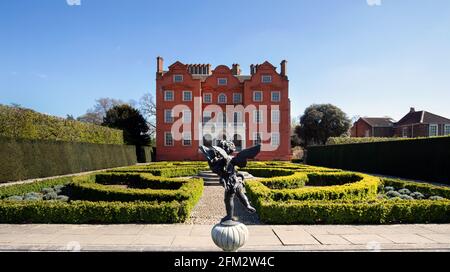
(222, 99)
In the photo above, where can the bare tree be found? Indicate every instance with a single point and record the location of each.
(96, 114)
(147, 107)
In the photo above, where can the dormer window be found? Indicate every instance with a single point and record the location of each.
(178, 78)
(222, 81)
(266, 79)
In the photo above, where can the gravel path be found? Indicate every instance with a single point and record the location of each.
(211, 208)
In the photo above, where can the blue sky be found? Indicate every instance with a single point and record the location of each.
(370, 60)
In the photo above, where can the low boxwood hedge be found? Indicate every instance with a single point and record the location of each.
(80, 212)
(337, 197)
(163, 200)
(354, 212)
(86, 188)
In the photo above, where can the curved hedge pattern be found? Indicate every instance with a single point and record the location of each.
(338, 197)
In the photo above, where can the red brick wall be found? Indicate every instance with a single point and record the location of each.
(361, 129)
(210, 85)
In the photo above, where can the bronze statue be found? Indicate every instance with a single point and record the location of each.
(224, 165)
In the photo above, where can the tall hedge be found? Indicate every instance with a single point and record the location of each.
(28, 124)
(24, 159)
(424, 159)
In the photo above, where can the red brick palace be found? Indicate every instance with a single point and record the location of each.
(196, 105)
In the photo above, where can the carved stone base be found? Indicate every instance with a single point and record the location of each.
(229, 235)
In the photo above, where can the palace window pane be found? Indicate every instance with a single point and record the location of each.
(266, 79)
(168, 96)
(168, 140)
(178, 78)
(276, 96)
(222, 81)
(187, 95)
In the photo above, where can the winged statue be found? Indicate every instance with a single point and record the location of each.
(221, 162)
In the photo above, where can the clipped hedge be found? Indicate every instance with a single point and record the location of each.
(22, 159)
(277, 178)
(355, 212)
(82, 212)
(87, 188)
(423, 159)
(28, 124)
(338, 197)
(171, 202)
(353, 187)
(424, 188)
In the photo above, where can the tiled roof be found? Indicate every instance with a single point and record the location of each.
(424, 117)
(379, 122)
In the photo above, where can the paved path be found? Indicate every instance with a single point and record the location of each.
(211, 208)
(183, 237)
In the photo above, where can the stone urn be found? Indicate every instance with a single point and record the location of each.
(229, 235)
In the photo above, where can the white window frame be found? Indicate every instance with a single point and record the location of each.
(190, 94)
(273, 114)
(207, 95)
(437, 130)
(405, 132)
(254, 96)
(165, 116)
(178, 75)
(222, 84)
(168, 92)
(187, 116)
(165, 139)
(266, 81)
(447, 129)
(187, 136)
(275, 92)
(258, 116)
(222, 95)
(275, 135)
(255, 138)
(237, 101)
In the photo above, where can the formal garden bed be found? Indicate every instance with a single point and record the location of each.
(299, 194)
(283, 193)
(138, 194)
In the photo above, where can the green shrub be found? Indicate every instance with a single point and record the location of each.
(424, 188)
(365, 188)
(88, 189)
(28, 124)
(354, 212)
(82, 212)
(26, 159)
(393, 158)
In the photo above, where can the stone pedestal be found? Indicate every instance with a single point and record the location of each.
(229, 235)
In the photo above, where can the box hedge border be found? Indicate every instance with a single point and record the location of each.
(347, 206)
(108, 212)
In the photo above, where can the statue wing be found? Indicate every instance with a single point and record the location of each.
(207, 152)
(242, 157)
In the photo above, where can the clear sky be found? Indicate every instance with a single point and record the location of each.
(369, 57)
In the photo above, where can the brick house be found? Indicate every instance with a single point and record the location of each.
(421, 124)
(196, 105)
(413, 124)
(373, 127)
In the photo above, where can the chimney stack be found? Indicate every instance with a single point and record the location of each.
(236, 70)
(252, 69)
(412, 109)
(159, 65)
(283, 68)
